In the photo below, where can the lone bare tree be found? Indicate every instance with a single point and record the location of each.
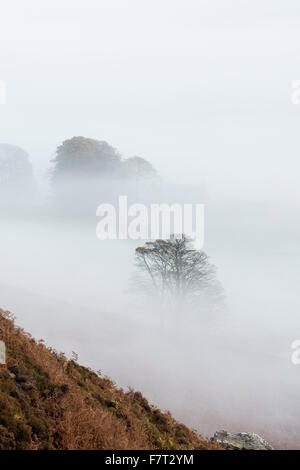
(176, 275)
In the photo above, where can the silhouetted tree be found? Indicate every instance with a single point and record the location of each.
(175, 274)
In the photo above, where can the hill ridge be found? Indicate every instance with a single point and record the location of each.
(50, 402)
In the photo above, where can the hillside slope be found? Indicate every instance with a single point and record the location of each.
(49, 402)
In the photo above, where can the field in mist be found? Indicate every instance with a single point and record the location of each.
(232, 371)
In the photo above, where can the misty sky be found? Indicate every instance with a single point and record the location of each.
(201, 88)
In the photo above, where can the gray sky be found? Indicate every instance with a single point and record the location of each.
(200, 88)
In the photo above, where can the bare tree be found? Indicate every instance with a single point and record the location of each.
(176, 275)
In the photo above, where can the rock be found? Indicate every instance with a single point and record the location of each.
(241, 441)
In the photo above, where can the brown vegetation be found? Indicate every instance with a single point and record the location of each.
(49, 402)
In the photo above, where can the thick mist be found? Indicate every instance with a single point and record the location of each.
(231, 370)
(206, 100)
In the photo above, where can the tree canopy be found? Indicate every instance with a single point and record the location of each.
(81, 157)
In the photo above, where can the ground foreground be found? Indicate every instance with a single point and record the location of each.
(50, 402)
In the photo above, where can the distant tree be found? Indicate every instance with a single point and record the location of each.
(176, 275)
(137, 167)
(17, 184)
(80, 156)
(88, 171)
(15, 167)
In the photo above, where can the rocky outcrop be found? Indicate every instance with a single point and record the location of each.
(241, 441)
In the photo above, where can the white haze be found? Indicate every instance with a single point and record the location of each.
(202, 90)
